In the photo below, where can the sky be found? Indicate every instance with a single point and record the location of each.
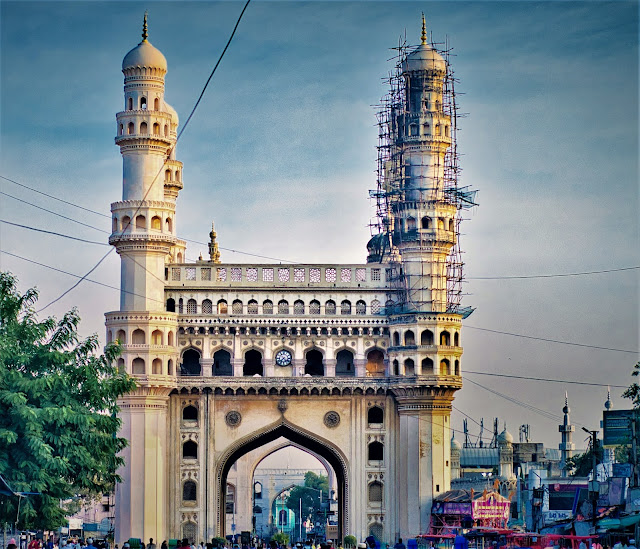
(281, 155)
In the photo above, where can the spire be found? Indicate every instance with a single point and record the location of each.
(423, 37)
(145, 34)
(214, 251)
(607, 404)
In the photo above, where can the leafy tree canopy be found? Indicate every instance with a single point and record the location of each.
(309, 494)
(58, 423)
(281, 538)
(633, 391)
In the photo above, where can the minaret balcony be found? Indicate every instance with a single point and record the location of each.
(164, 140)
(145, 347)
(119, 238)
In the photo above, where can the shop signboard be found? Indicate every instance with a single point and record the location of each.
(616, 426)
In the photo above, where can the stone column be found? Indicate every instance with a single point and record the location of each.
(330, 367)
(360, 364)
(207, 367)
(238, 364)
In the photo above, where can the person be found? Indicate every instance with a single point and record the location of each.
(90, 544)
(399, 545)
(164, 545)
(632, 544)
(616, 545)
(151, 544)
(582, 545)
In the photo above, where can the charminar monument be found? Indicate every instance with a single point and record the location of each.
(356, 364)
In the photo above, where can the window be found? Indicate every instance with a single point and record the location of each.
(375, 307)
(222, 307)
(314, 275)
(222, 363)
(144, 129)
(205, 273)
(361, 308)
(189, 491)
(283, 307)
(445, 338)
(427, 366)
(375, 492)
(375, 415)
(345, 363)
(190, 273)
(426, 337)
(330, 307)
(190, 413)
(298, 307)
(375, 274)
(361, 275)
(396, 339)
(236, 307)
(445, 369)
(156, 104)
(411, 224)
(314, 307)
(252, 363)
(409, 338)
(137, 366)
(456, 339)
(171, 305)
(298, 274)
(345, 275)
(221, 274)
(192, 307)
(456, 370)
(131, 128)
(376, 451)
(156, 337)
(130, 104)
(190, 450)
(425, 223)
(137, 337)
(180, 306)
(345, 307)
(252, 274)
(236, 274)
(330, 275)
(141, 222)
(267, 307)
(143, 102)
(375, 364)
(207, 307)
(267, 275)
(156, 128)
(257, 490)
(252, 307)
(170, 338)
(413, 130)
(283, 275)
(409, 367)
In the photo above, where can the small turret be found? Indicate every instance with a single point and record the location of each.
(566, 429)
(214, 251)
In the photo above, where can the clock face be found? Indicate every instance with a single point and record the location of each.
(283, 358)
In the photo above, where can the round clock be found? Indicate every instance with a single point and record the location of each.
(283, 358)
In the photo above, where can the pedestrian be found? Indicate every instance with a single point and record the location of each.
(151, 544)
(401, 545)
(90, 544)
(632, 544)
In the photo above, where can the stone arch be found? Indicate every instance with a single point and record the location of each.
(345, 363)
(314, 365)
(375, 451)
(253, 363)
(375, 363)
(375, 415)
(190, 449)
(409, 367)
(156, 223)
(409, 338)
(138, 337)
(427, 366)
(222, 363)
(157, 337)
(445, 367)
(305, 440)
(156, 366)
(190, 362)
(426, 337)
(141, 222)
(456, 339)
(445, 338)
(138, 366)
(121, 336)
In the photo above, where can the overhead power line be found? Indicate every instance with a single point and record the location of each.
(552, 340)
(53, 233)
(551, 275)
(572, 382)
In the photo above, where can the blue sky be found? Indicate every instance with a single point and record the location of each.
(281, 154)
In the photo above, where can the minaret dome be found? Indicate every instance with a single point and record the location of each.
(424, 57)
(144, 55)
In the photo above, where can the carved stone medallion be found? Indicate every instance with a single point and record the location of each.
(332, 419)
(233, 418)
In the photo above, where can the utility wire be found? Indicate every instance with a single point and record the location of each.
(159, 171)
(551, 340)
(53, 233)
(550, 275)
(545, 379)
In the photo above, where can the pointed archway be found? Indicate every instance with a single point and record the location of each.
(302, 439)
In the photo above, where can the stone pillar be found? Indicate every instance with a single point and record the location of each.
(207, 367)
(330, 367)
(141, 497)
(360, 364)
(238, 364)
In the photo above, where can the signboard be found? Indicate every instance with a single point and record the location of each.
(451, 508)
(616, 426)
(491, 508)
(621, 470)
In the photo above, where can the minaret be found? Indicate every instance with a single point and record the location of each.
(143, 234)
(214, 251)
(609, 453)
(566, 446)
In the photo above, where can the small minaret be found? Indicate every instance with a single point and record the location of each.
(214, 251)
(566, 429)
(609, 453)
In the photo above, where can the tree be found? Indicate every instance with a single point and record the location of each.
(58, 423)
(581, 465)
(633, 391)
(307, 497)
(350, 541)
(281, 538)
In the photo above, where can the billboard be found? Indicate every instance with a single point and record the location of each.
(616, 426)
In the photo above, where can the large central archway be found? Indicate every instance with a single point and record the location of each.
(300, 438)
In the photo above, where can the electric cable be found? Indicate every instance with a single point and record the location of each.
(551, 275)
(53, 233)
(569, 381)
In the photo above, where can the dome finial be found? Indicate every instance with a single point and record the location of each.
(423, 37)
(145, 34)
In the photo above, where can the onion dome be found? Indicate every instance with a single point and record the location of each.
(455, 445)
(174, 115)
(505, 437)
(424, 57)
(144, 55)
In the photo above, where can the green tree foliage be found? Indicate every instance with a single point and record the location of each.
(58, 423)
(281, 538)
(350, 541)
(581, 465)
(633, 391)
(309, 494)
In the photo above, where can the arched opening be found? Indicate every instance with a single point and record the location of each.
(427, 366)
(283, 307)
(207, 307)
(121, 369)
(440, 223)
(426, 223)
(445, 368)
(156, 223)
(375, 416)
(344, 364)
(190, 532)
(190, 363)
(143, 102)
(236, 307)
(345, 307)
(375, 451)
(130, 104)
(252, 307)
(375, 492)
(409, 367)
(190, 450)
(170, 338)
(170, 367)
(396, 339)
(137, 366)
(156, 128)
(179, 257)
(126, 223)
(171, 305)
(166, 130)
(314, 365)
(222, 363)
(156, 337)
(156, 366)
(138, 337)
(409, 338)
(411, 224)
(456, 339)
(252, 363)
(121, 129)
(168, 224)
(121, 336)
(330, 307)
(396, 368)
(451, 225)
(375, 363)
(311, 443)
(189, 491)
(131, 128)
(190, 413)
(445, 338)
(314, 307)
(222, 307)
(298, 307)
(426, 337)
(192, 307)
(456, 370)
(167, 175)
(141, 222)
(181, 307)
(156, 104)
(144, 128)
(267, 307)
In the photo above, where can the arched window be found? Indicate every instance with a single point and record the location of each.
(375, 492)
(427, 366)
(252, 363)
(375, 363)
(171, 305)
(166, 130)
(330, 307)
(375, 415)
(257, 490)
(413, 129)
(156, 104)
(156, 366)
(445, 338)
(121, 129)
(409, 338)
(222, 307)
(131, 128)
(177, 175)
(170, 367)
(137, 366)
(130, 104)
(445, 368)
(121, 336)
(156, 128)
(451, 224)
(167, 175)
(396, 339)
(121, 365)
(375, 307)
(169, 224)
(267, 307)
(170, 338)
(207, 307)
(137, 337)
(396, 368)
(189, 491)
(438, 132)
(314, 366)
(361, 307)
(411, 224)
(141, 222)
(409, 367)
(446, 131)
(192, 307)
(190, 413)
(190, 450)
(425, 223)
(190, 363)
(222, 363)
(180, 306)
(144, 129)
(283, 307)
(376, 451)
(190, 531)
(426, 129)
(252, 307)
(440, 223)
(389, 306)
(344, 363)
(314, 307)
(345, 307)
(156, 337)
(456, 339)
(156, 223)
(426, 337)
(126, 223)
(236, 307)
(143, 102)
(456, 368)
(298, 307)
